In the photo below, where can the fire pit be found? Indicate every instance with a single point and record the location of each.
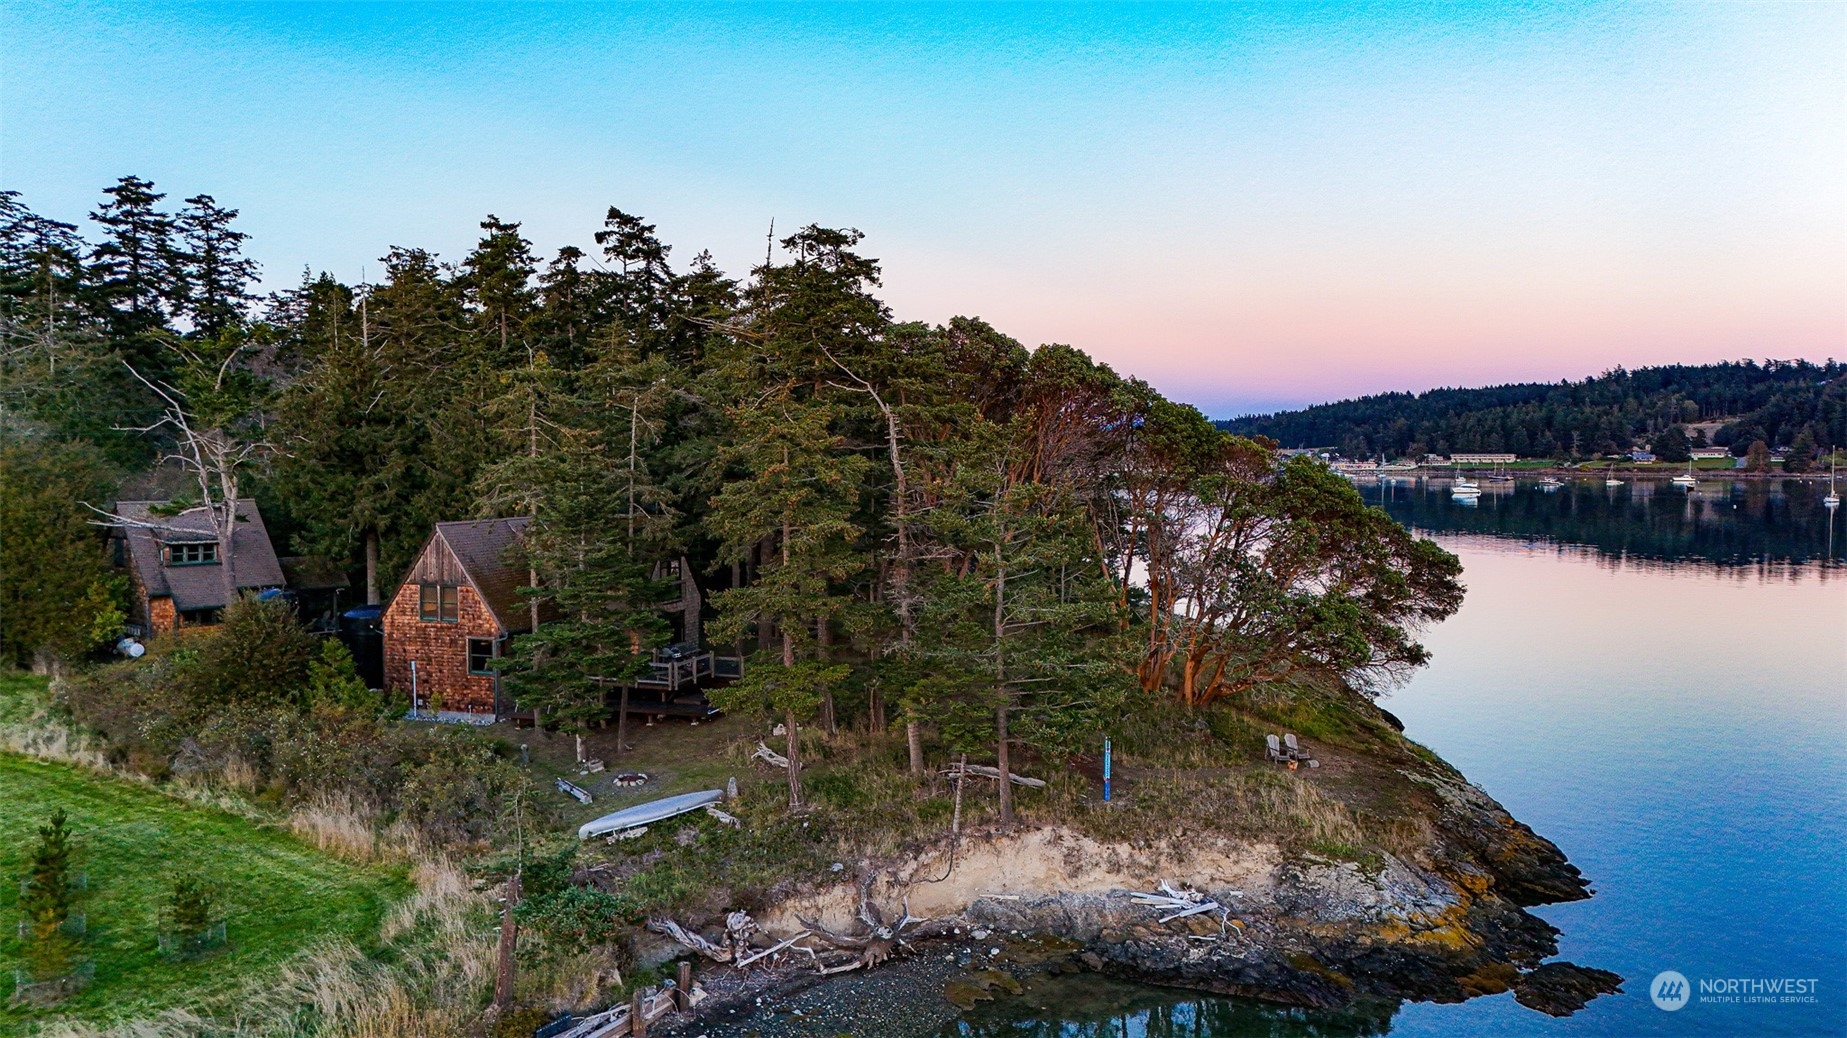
(630, 778)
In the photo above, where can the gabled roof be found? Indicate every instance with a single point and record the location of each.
(253, 558)
(480, 545)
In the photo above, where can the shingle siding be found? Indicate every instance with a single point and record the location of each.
(440, 650)
(471, 556)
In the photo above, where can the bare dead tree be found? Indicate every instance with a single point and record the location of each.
(210, 451)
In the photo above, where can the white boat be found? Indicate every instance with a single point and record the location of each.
(1611, 480)
(1833, 500)
(1686, 479)
(1550, 483)
(1464, 487)
(643, 814)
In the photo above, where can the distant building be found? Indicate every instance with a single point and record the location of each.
(1710, 453)
(1483, 459)
(1641, 456)
(174, 572)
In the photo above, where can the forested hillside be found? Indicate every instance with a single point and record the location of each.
(910, 527)
(1794, 404)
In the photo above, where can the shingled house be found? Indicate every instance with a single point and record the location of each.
(453, 614)
(173, 564)
(461, 601)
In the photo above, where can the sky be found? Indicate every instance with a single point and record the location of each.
(1251, 206)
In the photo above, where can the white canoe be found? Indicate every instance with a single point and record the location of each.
(643, 814)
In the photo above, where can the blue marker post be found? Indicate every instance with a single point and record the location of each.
(1106, 769)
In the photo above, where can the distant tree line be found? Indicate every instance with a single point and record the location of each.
(1795, 403)
(926, 529)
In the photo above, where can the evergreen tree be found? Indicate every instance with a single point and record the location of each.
(137, 272)
(58, 593)
(216, 275)
(1801, 453)
(46, 898)
(790, 509)
(1672, 444)
(496, 281)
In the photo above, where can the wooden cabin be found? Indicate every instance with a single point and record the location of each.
(460, 603)
(174, 572)
(453, 614)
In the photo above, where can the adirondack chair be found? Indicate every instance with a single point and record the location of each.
(1274, 750)
(1293, 752)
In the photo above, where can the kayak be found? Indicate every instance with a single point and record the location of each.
(654, 811)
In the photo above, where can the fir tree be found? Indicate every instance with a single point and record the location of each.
(214, 271)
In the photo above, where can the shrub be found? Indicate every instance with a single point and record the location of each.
(334, 679)
(457, 790)
(259, 655)
(576, 917)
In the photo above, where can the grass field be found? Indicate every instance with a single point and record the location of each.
(133, 841)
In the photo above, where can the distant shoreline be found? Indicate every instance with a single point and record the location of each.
(1661, 474)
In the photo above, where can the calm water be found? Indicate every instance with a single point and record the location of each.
(1656, 681)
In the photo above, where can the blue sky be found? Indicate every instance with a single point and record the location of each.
(1250, 205)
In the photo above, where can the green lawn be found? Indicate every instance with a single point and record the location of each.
(279, 894)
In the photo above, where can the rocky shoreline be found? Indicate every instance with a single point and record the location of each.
(1305, 931)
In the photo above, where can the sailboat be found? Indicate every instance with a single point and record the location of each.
(1833, 500)
(1500, 474)
(1464, 488)
(1611, 480)
(1687, 479)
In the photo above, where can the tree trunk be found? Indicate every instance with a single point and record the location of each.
(1000, 686)
(795, 762)
(227, 560)
(622, 722)
(371, 567)
(1002, 764)
(824, 639)
(504, 961)
(913, 734)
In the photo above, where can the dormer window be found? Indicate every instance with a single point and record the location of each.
(198, 553)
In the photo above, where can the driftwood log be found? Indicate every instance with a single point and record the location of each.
(879, 939)
(1183, 903)
(742, 945)
(983, 771)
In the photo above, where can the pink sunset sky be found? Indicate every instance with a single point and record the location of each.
(1252, 206)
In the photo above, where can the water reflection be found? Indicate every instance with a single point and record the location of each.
(1089, 1006)
(1722, 522)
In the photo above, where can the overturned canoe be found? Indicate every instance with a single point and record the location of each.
(643, 814)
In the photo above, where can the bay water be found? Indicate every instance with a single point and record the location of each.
(1656, 680)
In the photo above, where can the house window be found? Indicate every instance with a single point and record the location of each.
(481, 656)
(439, 602)
(200, 617)
(195, 554)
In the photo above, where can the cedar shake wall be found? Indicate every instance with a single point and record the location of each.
(161, 615)
(440, 649)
